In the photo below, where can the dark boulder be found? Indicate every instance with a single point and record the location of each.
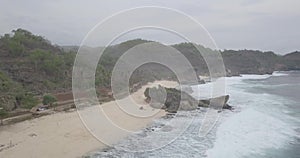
(216, 103)
(172, 100)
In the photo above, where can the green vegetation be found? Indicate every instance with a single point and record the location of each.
(35, 63)
(3, 114)
(5, 83)
(47, 62)
(12, 95)
(31, 66)
(28, 101)
(18, 43)
(49, 99)
(292, 60)
(8, 92)
(102, 77)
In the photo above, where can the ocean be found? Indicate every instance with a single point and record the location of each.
(264, 124)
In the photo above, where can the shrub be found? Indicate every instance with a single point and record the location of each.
(3, 114)
(49, 99)
(28, 101)
(5, 82)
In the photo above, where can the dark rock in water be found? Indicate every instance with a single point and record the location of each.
(172, 100)
(216, 103)
(107, 149)
(201, 82)
(169, 115)
(226, 106)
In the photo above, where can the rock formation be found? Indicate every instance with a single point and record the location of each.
(172, 100)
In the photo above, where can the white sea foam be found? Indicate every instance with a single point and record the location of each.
(249, 132)
(260, 125)
(247, 76)
(211, 89)
(260, 121)
(280, 73)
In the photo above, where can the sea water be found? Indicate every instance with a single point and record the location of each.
(265, 123)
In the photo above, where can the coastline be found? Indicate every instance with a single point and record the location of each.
(241, 126)
(64, 133)
(271, 117)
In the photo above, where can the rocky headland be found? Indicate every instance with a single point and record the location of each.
(172, 100)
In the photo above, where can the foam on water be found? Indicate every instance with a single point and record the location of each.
(280, 73)
(249, 132)
(186, 145)
(259, 123)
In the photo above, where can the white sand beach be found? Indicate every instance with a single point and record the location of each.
(63, 134)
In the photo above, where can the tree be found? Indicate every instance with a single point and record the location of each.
(53, 65)
(49, 99)
(15, 48)
(38, 56)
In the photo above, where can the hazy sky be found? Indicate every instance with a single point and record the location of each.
(234, 24)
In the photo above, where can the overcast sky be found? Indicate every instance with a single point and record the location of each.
(234, 24)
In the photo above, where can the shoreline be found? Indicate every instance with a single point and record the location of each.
(63, 133)
(226, 124)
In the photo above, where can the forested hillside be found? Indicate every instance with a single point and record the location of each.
(31, 66)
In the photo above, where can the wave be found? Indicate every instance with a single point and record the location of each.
(262, 123)
(280, 73)
(249, 132)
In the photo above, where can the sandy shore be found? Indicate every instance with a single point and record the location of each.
(64, 135)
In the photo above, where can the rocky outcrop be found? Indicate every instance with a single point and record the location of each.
(216, 103)
(172, 100)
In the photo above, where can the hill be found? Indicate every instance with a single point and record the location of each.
(292, 60)
(30, 66)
